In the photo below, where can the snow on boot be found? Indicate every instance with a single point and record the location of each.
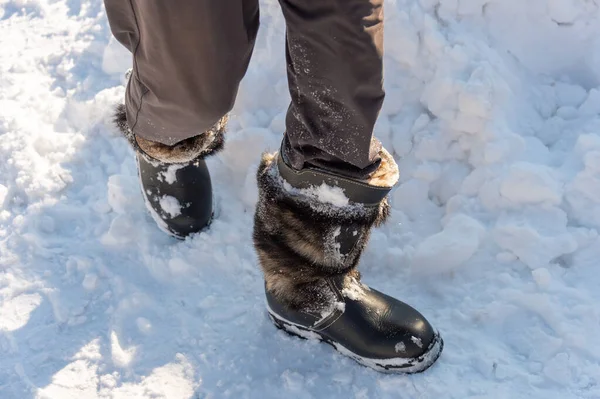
(310, 230)
(175, 180)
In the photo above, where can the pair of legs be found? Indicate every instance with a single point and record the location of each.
(190, 56)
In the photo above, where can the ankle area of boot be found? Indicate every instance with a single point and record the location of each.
(186, 151)
(369, 192)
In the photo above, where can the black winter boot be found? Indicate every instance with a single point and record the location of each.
(311, 228)
(175, 180)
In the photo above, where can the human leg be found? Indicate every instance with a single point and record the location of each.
(334, 54)
(323, 193)
(189, 57)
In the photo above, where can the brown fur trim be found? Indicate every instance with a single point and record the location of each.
(300, 241)
(387, 174)
(197, 147)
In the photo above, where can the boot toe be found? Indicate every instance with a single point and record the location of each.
(384, 328)
(401, 339)
(410, 333)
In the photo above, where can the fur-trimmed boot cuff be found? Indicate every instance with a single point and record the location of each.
(186, 151)
(311, 225)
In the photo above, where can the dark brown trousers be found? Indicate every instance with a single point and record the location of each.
(189, 57)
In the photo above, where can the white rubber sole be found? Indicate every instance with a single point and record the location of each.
(394, 365)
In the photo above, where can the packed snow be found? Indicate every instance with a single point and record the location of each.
(493, 114)
(170, 206)
(323, 194)
(170, 175)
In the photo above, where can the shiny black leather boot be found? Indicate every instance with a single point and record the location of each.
(175, 180)
(311, 228)
(178, 196)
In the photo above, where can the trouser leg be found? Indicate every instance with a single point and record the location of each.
(334, 57)
(189, 57)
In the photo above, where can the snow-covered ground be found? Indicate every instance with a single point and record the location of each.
(493, 112)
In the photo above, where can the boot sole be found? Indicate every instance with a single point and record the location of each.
(394, 365)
